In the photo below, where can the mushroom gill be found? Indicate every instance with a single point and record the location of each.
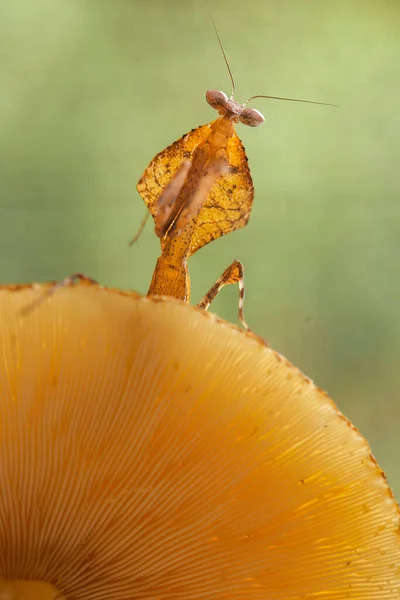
(150, 451)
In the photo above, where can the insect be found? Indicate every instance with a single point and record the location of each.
(228, 204)
(199, 189)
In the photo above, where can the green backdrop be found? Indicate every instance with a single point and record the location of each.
(90, 90)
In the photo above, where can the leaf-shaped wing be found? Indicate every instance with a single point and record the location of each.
(227, 206)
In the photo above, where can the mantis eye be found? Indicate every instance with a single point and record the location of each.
(251, 117)
(216, 99)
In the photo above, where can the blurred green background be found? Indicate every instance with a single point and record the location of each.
(91, 90)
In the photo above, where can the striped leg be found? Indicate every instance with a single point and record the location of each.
(233, 274)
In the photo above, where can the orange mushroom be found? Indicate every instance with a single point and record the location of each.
(149, 450)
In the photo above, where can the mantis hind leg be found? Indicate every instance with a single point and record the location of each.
(233, 274)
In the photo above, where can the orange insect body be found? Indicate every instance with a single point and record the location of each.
(171, 276)
(228, 203)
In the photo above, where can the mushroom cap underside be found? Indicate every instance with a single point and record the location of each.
(148, 450)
